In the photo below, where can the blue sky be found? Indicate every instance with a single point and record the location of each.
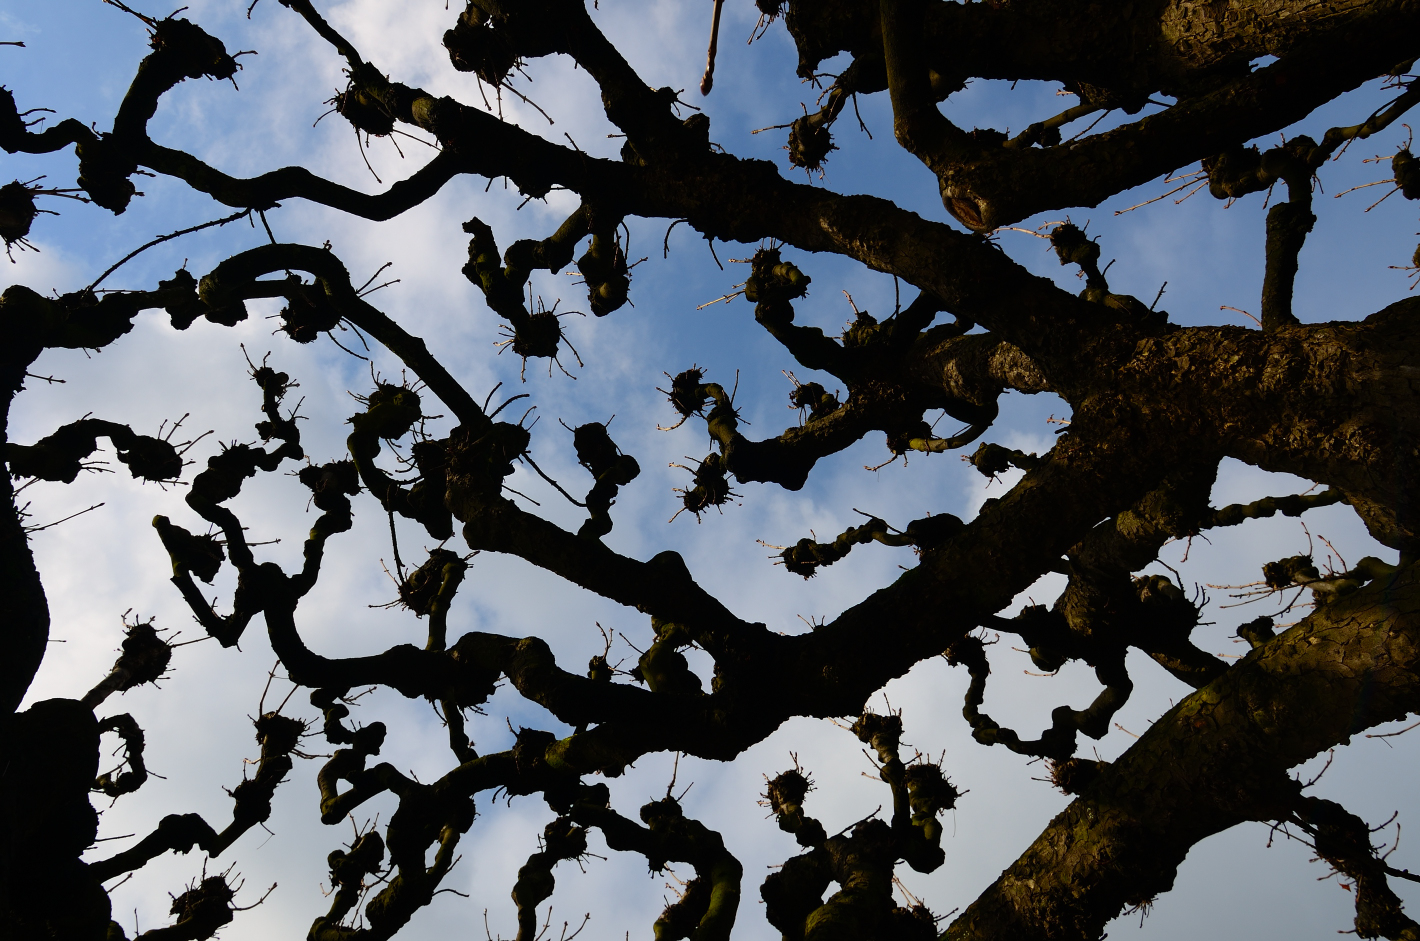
(78, 60)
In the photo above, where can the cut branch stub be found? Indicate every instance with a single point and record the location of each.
(612, 470)
(17, 212)
(190, 51)
(814, 397)
(420, 590)
(604, 268)
(663, 668)
(899, 439)
(330, 484)
(308, 313)
(347, 874)
(1407, 173)
(1073, 775)
(929, 792)
(490, 47)
(810, 142)
(561, 839)
(864, 331)
(201, 911)
(479, 464)
(144, 658)
(60, 456)
(538, 336)
(931, 531)
(278, 736)
(709, 488)
(1165, 608)
(392, 411)
(1284, 572)
(785, 795)
(364, 112)
(881, 732)
(1073, 247)
(1344, 841)
(993, 459)
(686, 395)
(773, 281)
(114, 784)
(199, 555)
(806, 556)
(1257, 631)
(184, 305)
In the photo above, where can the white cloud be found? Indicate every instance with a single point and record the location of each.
(108, 561)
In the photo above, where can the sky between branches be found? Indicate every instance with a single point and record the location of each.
(79, 58)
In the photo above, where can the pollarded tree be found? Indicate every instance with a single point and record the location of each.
(1155, 407)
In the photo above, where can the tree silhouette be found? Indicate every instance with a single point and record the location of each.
(1155, 407)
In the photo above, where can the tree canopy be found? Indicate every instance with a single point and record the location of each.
(522, 526)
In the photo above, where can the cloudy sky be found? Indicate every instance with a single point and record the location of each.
(78, 58)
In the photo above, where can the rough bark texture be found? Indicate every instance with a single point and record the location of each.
(1154, 409)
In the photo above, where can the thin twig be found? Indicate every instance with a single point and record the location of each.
(164, 238)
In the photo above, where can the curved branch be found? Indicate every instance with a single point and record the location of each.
(1218, 758)
(268, 189)
(707, 909)
(228, 280)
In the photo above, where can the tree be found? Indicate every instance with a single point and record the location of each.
(1154, 408)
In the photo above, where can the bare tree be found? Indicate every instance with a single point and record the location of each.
(1155, 407)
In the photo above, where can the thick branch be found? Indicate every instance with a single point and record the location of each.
(1218, 758)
